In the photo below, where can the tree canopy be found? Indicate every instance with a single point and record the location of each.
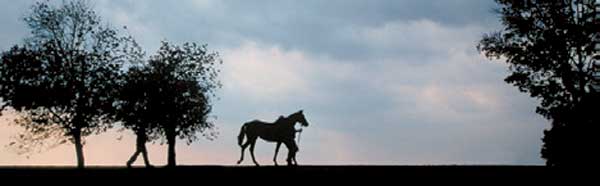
(552, 49)
(171, 94)
(65, 73)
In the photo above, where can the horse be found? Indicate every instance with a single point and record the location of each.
(280, 131)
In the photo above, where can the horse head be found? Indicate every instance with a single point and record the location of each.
(299, 117)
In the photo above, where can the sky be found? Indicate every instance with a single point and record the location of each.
(396, 82)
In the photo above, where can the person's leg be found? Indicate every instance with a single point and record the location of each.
(133, 157)
(290, 148)
(145, 155)
(295, 147)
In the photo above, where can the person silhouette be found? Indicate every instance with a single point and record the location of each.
(141, 140)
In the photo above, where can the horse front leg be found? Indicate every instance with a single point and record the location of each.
(276, 151)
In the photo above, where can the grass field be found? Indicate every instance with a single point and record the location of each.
(301, 173)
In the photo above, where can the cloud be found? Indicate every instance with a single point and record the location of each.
(265, 73)
(453, 102)
(313, 26)
(415, 40)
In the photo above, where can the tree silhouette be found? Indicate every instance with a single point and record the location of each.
(552, 47)
(180, 80)
(64, 76)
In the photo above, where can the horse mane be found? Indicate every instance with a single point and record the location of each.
(283, 119)
(295, 114)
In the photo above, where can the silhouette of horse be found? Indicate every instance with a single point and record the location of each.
(281, 131)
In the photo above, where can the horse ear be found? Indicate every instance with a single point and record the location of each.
(301, 111)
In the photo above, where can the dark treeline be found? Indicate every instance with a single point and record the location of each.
(74, 76)
(552, 48)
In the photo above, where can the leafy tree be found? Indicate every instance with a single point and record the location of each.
(552, 49)
(178, 84)
(64, 76)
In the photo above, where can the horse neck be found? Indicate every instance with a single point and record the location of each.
(289, 123)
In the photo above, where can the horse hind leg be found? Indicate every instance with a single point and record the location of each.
(243, 149)
(252, 151)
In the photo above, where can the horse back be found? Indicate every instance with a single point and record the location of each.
(265, 130)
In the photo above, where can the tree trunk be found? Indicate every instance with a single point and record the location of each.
(171, 139)
(78, 148)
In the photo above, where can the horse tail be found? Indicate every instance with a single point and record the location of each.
(241, 135)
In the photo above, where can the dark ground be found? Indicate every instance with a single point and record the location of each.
(201, 174)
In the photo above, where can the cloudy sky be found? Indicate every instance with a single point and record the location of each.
(381, 82)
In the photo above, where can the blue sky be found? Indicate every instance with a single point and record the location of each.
(381, 82)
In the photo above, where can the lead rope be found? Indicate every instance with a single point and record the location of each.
(299, 135)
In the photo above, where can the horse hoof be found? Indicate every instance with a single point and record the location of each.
(239, 162)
